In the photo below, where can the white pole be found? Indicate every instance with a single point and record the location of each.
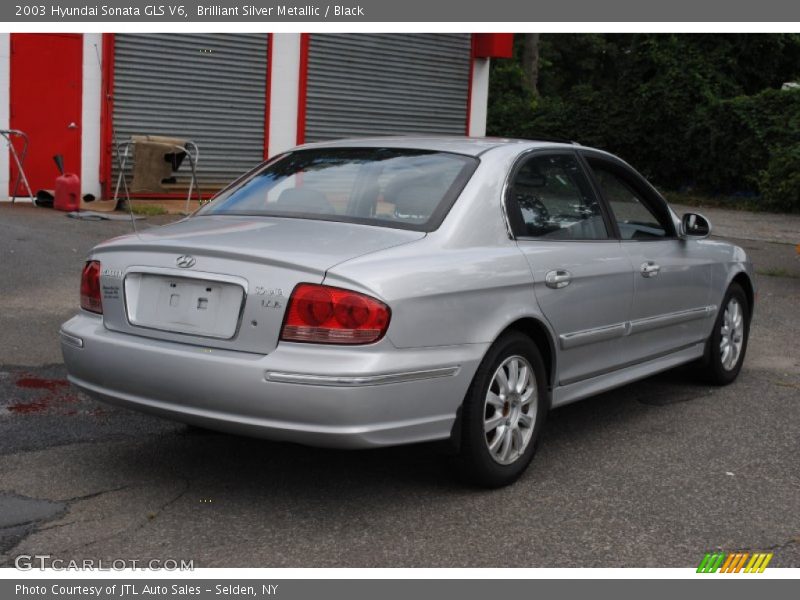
(5, 95)
(90, 114)
(284, 91)
(480, 97)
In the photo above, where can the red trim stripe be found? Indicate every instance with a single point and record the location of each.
(302, 89)
(268, 95)
(107, 115)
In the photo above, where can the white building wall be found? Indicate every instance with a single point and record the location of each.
(5, 101)
(479, 102)
(90, 113)
(284, 92)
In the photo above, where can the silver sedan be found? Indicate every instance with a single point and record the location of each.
(375, 292)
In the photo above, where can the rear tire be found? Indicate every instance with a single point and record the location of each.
(503, 413)
(727, 345)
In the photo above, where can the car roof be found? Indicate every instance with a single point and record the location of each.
(472, 146)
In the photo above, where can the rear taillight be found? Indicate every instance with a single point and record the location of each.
(328, 315)
(90, 287)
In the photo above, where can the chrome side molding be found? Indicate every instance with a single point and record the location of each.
(590, 336)
(668, 319)
(359, 380)
(601, 334)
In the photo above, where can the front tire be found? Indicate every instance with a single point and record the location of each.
(503, 412)
(728, 342)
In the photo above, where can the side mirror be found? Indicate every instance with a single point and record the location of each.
(695, 226)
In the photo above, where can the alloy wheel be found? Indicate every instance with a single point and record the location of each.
(731, 335)
(510, 410)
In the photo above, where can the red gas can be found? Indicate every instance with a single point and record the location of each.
(68, 192)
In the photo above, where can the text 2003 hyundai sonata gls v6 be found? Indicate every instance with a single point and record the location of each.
(388, 291)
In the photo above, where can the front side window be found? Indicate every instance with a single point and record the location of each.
(407, 189)
(551, 198)
(635, 220)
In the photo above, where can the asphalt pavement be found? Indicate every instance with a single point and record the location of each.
(653, 474)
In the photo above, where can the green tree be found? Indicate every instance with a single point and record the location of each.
(689, 110)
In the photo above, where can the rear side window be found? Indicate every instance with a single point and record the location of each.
(549, 197)
(408, 189)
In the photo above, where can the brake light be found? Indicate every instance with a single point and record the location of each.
(90, 287)
(330, 315)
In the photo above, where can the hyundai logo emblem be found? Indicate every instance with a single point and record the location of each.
(186, 261)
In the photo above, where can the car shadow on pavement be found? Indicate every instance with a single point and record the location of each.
(202, 455)
(40, 400)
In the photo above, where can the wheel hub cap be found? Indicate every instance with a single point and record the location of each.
(731, 335)
(510, 410)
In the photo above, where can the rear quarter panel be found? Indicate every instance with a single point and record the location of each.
(462, 284)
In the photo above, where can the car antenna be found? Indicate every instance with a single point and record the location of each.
(108, 98)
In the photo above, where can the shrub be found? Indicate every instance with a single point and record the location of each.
(779, 183)
(734, 140)
(513, 102)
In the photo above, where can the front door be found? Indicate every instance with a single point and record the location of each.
(582, 277)
(45, 103)
(672, 284)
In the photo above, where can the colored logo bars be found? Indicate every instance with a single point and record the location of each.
(734, 562)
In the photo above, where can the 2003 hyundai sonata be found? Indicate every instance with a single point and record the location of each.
(388, 291)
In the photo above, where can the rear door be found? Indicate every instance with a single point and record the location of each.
(582, 276)
(672, 284)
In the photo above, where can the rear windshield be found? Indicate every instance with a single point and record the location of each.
(407, 189)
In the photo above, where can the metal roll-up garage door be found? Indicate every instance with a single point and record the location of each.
(209, 88)
(385, 84)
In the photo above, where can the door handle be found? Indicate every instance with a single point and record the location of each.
(649, 269)
(558, 279)
(72, 125)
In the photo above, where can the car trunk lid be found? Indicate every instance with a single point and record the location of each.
(223, 281)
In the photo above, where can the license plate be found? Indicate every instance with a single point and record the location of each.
(183, 305)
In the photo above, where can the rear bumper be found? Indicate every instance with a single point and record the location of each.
(312, 394)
